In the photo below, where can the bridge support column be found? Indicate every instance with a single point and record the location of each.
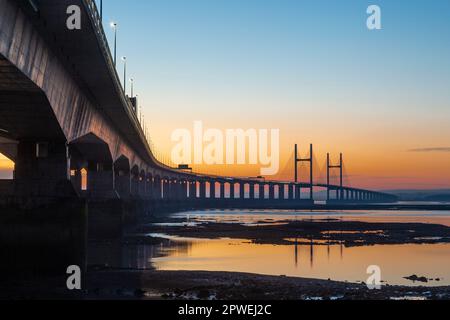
(42, 169)
(298, 192)
(134, 184)
(252, 191)
(184, 187)
(174, 191)
(222, 190)
(149, 187)
(142, 185)
(170, 190)
(156, 188)
(281, 191)
(164, 188)
(123, 183)
(212, 189)
(232, 189)
(100, 180)
(193, 190)
(241, 191)
(271, 191)
(291, 192)
(122, 178)
(203, 190)
(179, 190)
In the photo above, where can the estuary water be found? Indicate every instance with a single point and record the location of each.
(335, 262)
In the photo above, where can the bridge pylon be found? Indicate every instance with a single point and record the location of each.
(340, 166)
(311, 167)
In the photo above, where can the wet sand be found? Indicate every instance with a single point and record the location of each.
(181, 285)
(201, 285)
(328, 231)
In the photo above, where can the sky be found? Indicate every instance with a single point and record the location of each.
(310, 68)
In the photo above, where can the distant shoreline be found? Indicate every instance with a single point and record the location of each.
(350, 207)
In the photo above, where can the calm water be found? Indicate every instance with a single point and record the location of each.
(334, 262)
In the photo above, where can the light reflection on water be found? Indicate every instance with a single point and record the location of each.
(276, 216)
(335, 262)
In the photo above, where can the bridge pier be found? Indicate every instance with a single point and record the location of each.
(157, 188)
(122, 181)
(281, 192)
(164, 189)
(252, 187)
(291, 192)
(134, 183)
(271, 191)
(100, 181)
(202, 188)
(298, 192)
(172, 191)
(241, 191)
(185, 189)
(212, 189)
(42, 169)
(260, 194)
(149, 188)
(141, 185)
(179, 186)
(232, 191)
(192, 190)
(221, 190)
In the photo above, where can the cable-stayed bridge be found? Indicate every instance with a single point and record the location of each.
(71, 130)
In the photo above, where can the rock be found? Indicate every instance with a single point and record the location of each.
(416, 278)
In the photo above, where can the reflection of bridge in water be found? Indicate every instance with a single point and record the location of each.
(64, 114)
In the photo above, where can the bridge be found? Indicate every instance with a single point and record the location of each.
(65, 119)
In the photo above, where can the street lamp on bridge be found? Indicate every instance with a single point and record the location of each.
(114, 27)
(132, 87)
(124, 59)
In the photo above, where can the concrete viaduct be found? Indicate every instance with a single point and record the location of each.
(63, 113)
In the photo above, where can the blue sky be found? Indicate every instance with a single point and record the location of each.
(294, 47)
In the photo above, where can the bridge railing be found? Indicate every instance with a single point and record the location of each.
(100, 31)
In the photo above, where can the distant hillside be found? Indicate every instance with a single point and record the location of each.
(439, 195)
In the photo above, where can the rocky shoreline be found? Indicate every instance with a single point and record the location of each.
(202, 285)
(317, 232)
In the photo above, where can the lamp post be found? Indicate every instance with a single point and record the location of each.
(124, 59)
(114, 27)
(132, 87)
